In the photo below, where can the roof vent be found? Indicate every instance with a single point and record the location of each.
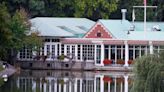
(132, 28)
(156, 28)
(123, 14)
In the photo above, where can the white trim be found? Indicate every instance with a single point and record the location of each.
(76, 53)
(81, 52)
(115, 50)
(95, 57)
(102, 54)
(59, 48)
(151, 47)
(126, 54)
(65, 49)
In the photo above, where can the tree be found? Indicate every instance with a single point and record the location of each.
(152, 14)
(147, 70)
(21, 34)
(95, 9)
(15, 33)
(5, 34)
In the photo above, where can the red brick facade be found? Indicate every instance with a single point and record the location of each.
(98, 32)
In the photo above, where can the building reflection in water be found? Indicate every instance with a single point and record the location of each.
(64, 81)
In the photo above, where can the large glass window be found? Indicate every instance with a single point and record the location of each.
(88, 52)
(71, 51)
(106, 52)
(48, 50)
(53, 52)
(113, 53)
(136, 51)
(98, 53)
(25, 53)
(78, 52)
(119, 52)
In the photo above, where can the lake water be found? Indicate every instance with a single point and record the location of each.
(68, 81)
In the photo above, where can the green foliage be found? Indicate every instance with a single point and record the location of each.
(147, 71)
(15, 33)
(152, 14)
(5, 35)
(1, 68)
(61, 57)
(1, 82)
(19, 27)
(95, 9)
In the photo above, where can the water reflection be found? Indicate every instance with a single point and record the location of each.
(67, 81)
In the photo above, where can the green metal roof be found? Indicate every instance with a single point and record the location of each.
(121, 29)
(61, 27)
(78, 27)
(149, 25)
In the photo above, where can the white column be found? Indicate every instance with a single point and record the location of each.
(64, 85)
(75, 86)
(151, 47)
(34, 86)
(115, 54)
(126, 54)
(101, 84)
(126, 83)
(81, 85)
(81, 53)
(70, 89)
(115, 85)
(109, 86)
(140, 51)
(18, 55)
(121, 87)
(56, 49)
(18, 82)
(45, 87)
(59, 48)
(65, 49)
(45, 49)
(50, 85)
(70, 49)
(95, 54)
(75, 52)
(55, 85)
(102, 54)
(134, 51)
(59, 87)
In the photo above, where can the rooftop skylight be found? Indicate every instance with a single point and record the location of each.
(83, 28)
(67, 29)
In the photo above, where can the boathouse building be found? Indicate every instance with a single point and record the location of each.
(103, 42)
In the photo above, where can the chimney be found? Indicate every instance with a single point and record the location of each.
(123, 14)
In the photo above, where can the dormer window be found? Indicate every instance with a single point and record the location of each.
(99, 34)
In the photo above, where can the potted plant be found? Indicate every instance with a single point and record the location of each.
(120, 61)
(107, 61)
(61, 57)
(130, 62)
(107, 79)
